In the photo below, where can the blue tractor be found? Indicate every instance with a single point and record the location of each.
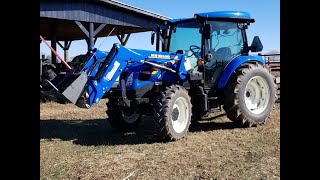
(205, 64)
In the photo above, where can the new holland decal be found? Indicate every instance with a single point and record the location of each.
(159, 56)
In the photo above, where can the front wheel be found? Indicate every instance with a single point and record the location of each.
(173, 113)
(122, 118)
(250, 95)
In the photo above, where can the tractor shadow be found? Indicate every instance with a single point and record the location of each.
(98, 131)
(216, 122)
(91, 132)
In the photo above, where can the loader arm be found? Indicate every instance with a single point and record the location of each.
(103, 72)
(87, 85)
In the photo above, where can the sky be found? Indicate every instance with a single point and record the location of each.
(265, 12)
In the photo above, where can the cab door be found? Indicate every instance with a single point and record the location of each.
(225, 44)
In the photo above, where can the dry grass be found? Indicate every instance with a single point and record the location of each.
(79, 144)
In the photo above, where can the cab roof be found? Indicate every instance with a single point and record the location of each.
(237, 16)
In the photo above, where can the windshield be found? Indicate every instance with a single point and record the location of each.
(186, 36)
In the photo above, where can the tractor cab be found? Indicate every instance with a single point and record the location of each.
(211, 41)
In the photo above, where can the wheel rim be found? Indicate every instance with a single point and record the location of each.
(130, 117)
(257, 95)
(180, 115)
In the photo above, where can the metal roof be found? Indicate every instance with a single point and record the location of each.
(136, 9)
(60, 16)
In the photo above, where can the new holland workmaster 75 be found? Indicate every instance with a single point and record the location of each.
(205, 64)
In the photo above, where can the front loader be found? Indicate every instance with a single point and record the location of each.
(205, 65)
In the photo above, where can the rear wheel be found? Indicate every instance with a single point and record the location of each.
(250, 95)
(173, 113)
(122, 118)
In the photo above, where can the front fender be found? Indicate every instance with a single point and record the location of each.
(233, 65)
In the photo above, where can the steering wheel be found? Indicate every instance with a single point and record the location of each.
(195, 51)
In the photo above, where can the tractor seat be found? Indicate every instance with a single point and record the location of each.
(222, 54)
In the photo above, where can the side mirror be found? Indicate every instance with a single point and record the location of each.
(256, 45)
(152, 38)
(207, 29)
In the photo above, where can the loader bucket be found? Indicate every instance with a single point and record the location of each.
(65, 90)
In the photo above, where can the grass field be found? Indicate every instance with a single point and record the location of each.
(78, 143)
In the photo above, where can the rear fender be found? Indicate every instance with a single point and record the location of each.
(233, 65)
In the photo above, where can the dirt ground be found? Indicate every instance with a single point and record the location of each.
(78, 143)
